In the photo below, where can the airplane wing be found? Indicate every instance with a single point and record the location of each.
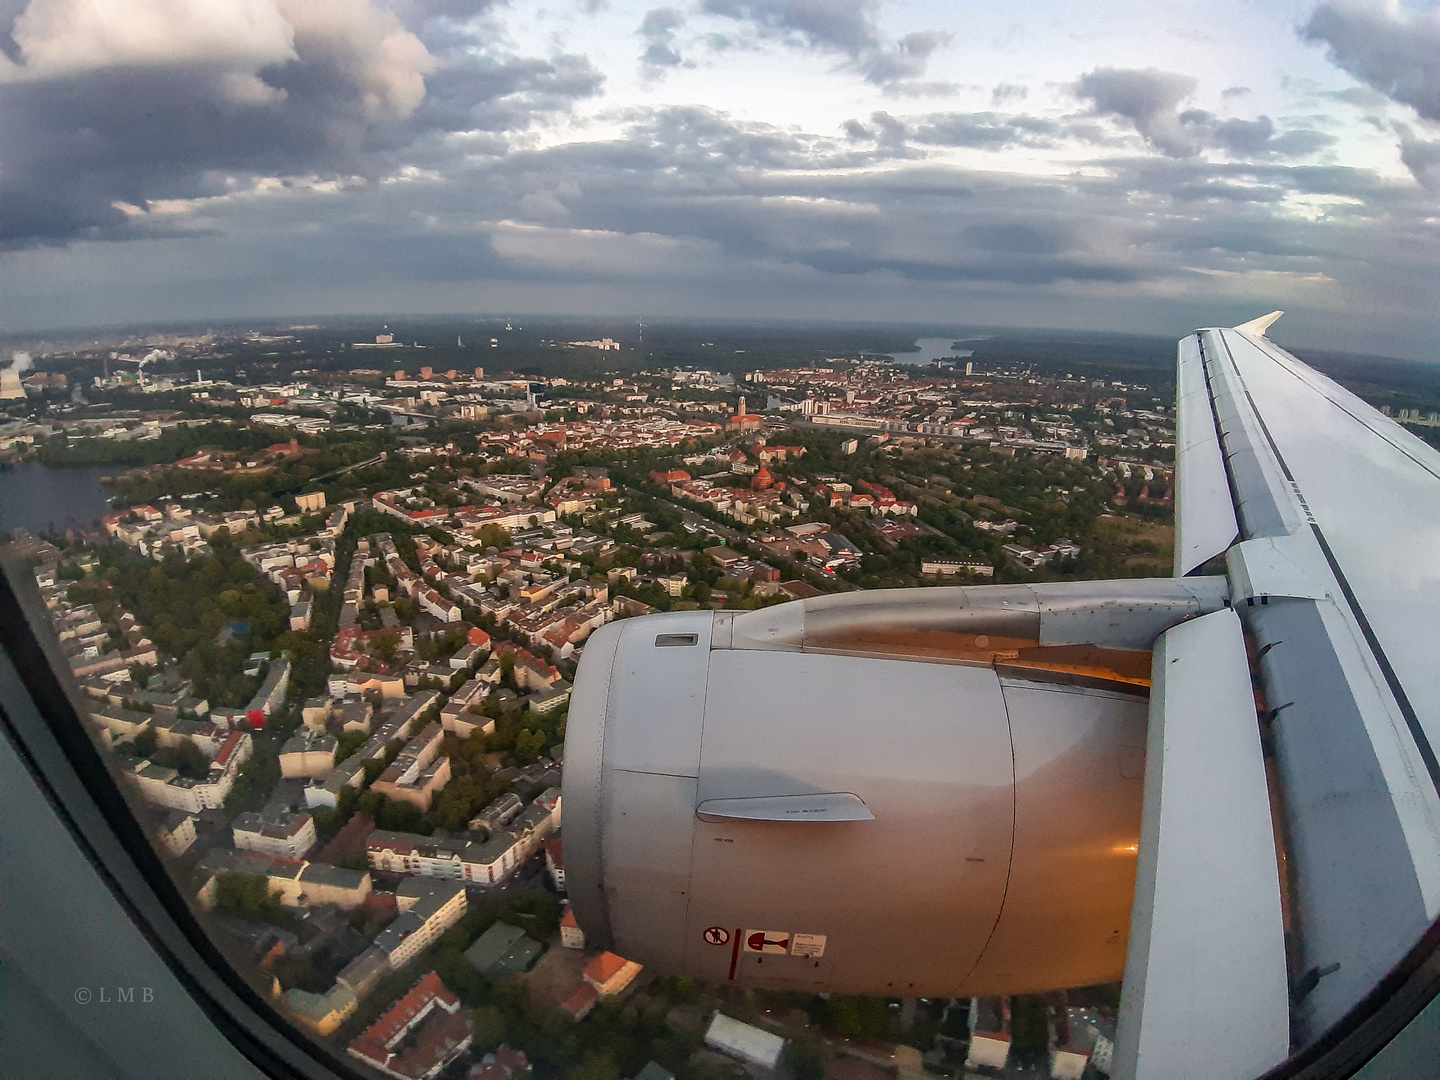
(1327, 515)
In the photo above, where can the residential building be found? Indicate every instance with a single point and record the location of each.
(547, 701)
(610, 974)
(349, 773)
(503, 950)
(989, 1033)
(427, 910)
(581, 1003)
(177, 832)
(954, 567)
(571, 936)
(122, 723)
(166, 787)
(308, 754)
(417, 774)
(354, 715)
(424, 1032)
(1079, 1038)
(362, 973)
(321, 1013)
(499, 813)
(460, 858)
(271, 694)
(321, 883)
(315, 713)
(298, 883)
(275, 831)
(555, 861)
(505, 1063)
(551, 798)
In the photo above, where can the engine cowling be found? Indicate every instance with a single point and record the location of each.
(790, 798)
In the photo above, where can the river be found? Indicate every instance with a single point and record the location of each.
(932, 348)
(35, 497)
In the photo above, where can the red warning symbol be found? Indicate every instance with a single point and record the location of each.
(717, 935)
(767, 941)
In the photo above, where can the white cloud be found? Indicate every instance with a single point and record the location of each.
(234, 41)
(57, 38)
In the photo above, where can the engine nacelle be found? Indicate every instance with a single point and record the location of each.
(789, 797)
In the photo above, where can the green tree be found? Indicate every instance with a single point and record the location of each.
(597, 1065)
(185, 757)
(348, 743)
(248, 896)
(1029, 1027)
(807, 1057)
(384, 646)
(489, 1028)
(145, 743)
(858, 1017)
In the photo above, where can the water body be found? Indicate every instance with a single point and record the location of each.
(36, 497)
(932, 348)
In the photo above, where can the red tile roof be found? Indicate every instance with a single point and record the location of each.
(232, 742)
(581, 1001)
(605, 967)
(443, 1026)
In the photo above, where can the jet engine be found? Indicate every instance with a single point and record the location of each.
(922, 792)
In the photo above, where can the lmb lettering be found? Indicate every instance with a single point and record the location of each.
(116, 995)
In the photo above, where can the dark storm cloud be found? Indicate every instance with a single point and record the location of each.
(657, 31)
(843, 26)
(1395, 52)
(333, 91)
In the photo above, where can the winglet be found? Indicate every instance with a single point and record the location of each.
(1260, 325)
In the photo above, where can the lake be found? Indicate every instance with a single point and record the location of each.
(932, 348)
(35, 497)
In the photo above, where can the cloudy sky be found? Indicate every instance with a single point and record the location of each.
(1098, 165)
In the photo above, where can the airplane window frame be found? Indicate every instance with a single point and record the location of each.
(52, 741)
(57, 751)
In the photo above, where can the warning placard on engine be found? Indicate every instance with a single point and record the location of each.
(811, 945)
(767, 941)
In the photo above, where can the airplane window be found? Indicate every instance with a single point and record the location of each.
(601, 541)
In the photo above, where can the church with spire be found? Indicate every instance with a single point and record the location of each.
(743, 421)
